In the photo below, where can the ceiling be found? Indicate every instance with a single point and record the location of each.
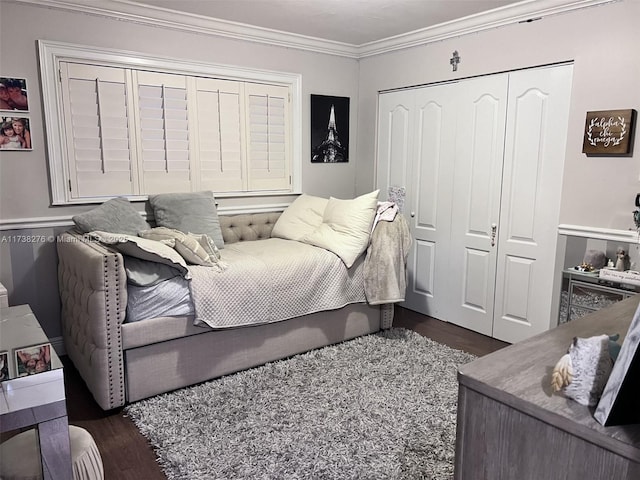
(354, 22)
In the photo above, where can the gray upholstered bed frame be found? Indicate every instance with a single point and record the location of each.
(124, 362)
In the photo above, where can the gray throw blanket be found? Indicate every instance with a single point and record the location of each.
(385, 278)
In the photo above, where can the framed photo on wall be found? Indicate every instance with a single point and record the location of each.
(15, 133)
(13, 94)
(329, 129)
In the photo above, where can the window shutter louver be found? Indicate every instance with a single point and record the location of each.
(164, 132)
(220, 135)
(268, 146)
(97, 135)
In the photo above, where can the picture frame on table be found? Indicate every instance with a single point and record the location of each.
(618, 404)
(4, 366)
(33, 359)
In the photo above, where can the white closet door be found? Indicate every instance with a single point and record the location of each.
(164, 132)
(395, 141)
(220, 135)
(416, 132)
(475, 213)
(527, 277)
(268, 150)
(97, 115)
(429, 212)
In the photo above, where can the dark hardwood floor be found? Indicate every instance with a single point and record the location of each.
(126, 453)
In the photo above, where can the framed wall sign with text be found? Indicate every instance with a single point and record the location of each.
(609, 132)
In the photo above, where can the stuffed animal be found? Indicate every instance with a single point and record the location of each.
(583, 372)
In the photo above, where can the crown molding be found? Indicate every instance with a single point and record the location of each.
(125, 10)
(525, 11)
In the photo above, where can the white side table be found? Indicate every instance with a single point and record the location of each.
(36, 399)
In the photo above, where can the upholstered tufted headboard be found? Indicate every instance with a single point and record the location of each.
(254, 226)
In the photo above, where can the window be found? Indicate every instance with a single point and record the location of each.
(124, 124)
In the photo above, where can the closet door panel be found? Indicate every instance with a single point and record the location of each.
(394, 130)
(423, 262)
(535, 146)
(476, 201)
(430, 206)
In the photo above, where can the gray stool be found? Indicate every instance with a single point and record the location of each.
(20, 456)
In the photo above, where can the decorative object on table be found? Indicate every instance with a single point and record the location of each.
(622, 259)
(609, 132)
(583, 372)
(619, 402)
(32, 360)
(611, 274)
(594, 258)
(329, 115)
(586, 268)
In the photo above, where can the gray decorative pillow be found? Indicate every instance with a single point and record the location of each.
(144, 249)
(193, 248)
(193, 212)
(144, 273)
(114, 216)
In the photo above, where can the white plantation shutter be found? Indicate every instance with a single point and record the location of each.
(268, 148)
(96, 114)
(220, 135)
(163, 124)
(128, 125)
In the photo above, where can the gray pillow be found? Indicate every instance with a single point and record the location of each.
(143, 249)
(193, 212)
(144, 273)
(114, 216)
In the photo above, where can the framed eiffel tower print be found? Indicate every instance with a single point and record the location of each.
(329, 129)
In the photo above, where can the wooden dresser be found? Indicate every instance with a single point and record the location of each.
(511, 426)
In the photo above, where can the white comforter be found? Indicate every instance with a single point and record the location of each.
(272, 280)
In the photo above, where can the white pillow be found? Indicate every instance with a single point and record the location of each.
(144, 249)
(346, 227)
(195, 249)
(300, 218)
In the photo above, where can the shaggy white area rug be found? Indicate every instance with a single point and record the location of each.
(381, 406)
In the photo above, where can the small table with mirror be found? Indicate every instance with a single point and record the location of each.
(33, 393)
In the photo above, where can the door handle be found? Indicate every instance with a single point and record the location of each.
(494, 229)
(413, 214)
